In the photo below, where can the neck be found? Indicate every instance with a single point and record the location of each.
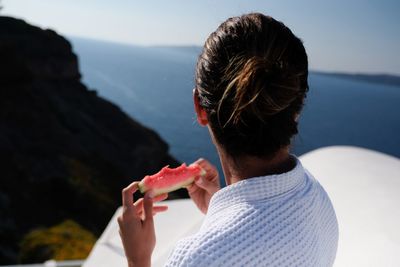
(248, 166)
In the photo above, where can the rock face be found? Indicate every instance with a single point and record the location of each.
(65, 153)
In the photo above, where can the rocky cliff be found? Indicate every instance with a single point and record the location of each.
(65, 153)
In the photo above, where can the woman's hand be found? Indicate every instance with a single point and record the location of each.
(136, 226)
(204, 187)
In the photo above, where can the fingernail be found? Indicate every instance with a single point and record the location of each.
(199, 180)
(150, 194)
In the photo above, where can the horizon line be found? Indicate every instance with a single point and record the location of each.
(128, 44)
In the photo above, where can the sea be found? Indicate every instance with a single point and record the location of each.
(154, 86)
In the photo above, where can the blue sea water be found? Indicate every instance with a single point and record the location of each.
(154, 86)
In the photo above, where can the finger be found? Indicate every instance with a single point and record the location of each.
(142, 216)
(127, 195)
(211, 170)
(200, 161)
(205, 184)
(160, 197)
(148, 209)
(156, 209)
(139, 202)
(160, 208)
(205, 164)
(192, 188)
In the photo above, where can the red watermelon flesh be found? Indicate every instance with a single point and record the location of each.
(168, 180)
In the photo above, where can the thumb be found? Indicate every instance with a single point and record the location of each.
(205, 184)
(148, 208)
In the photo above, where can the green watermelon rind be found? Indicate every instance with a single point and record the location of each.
(142, 187)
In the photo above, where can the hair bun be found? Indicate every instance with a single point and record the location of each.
(257, 88)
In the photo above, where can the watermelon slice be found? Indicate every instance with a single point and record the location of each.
(168, 180)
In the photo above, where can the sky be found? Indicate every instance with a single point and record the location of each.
(348, 36)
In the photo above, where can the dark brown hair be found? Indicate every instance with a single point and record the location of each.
(251, 79)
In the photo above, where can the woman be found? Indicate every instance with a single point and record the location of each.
(251, 81)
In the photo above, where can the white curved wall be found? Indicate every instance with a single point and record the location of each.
(364, 187)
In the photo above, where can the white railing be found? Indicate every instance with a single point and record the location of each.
(51, 263)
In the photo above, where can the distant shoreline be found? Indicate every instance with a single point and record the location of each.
(386, 79)
(381, 78)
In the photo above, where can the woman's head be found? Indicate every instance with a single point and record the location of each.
(251, 80)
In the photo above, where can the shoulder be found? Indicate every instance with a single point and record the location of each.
(272, 231)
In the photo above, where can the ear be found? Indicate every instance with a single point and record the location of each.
(200, 112)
